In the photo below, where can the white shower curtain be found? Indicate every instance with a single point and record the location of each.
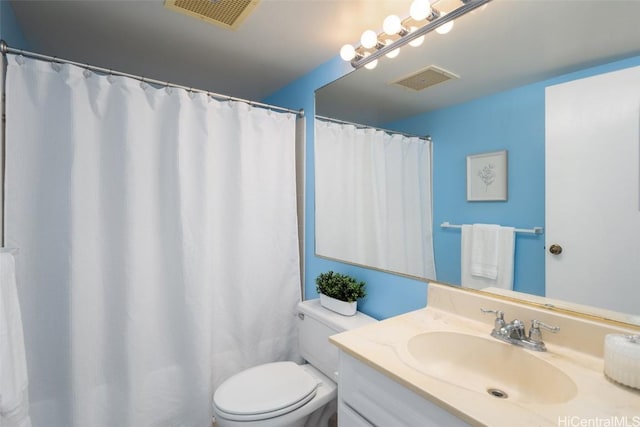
(373, 198)
(158, 244)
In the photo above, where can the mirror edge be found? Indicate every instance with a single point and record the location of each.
(529, 300)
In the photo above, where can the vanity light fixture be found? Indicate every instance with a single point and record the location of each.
(394, 52)
(422, 19)
(445, 28)
(417, 41)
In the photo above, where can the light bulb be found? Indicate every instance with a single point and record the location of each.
(394, 52)
(392, 25)
(420, 9)
(444, 28)
(347, 52)
(369, 39)
(416, 42)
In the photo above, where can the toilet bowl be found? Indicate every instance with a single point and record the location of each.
(285, 394)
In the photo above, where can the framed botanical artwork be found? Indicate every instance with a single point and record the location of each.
(487, 176)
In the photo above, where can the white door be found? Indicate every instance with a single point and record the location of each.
(592, 191)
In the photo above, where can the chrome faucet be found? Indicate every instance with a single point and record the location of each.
(514, 331)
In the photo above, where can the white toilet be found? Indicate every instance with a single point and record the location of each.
(285, 394)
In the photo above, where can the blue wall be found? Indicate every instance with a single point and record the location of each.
(514, 121)
(511, 120)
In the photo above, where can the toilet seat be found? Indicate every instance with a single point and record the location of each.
(265, 391)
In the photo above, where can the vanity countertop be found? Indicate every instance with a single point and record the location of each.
(383, 346)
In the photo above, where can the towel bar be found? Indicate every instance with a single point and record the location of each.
(534, 230)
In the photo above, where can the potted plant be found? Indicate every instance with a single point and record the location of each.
(339, 292)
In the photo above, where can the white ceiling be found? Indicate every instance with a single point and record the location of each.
(279, 42)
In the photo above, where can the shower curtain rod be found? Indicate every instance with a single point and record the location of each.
(4, 49)
(361, 126)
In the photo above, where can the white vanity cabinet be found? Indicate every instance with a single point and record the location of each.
(367, 397)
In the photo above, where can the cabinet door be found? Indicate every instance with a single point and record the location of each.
(347, 417)
(383, 402)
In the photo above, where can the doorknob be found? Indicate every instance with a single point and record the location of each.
(555, 249)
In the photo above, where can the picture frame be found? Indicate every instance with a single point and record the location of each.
(487, 177)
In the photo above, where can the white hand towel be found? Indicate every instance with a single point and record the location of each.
(506, 252)
(484, 250)
(14, 402)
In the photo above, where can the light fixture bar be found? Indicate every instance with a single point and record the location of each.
(467, 7)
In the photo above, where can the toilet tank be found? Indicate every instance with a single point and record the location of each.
(315, 325)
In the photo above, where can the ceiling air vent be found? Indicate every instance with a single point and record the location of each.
(425, 78)
(226, 13)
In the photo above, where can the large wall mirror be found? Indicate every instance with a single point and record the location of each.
(500, 60)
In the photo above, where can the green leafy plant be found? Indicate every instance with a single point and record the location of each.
(340, 286)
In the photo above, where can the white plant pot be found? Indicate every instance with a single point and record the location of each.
(340, 307)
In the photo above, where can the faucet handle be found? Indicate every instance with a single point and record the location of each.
(499, 313)
(534, 332)
(499, 323)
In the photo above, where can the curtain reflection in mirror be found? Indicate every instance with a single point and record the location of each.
(373, 198)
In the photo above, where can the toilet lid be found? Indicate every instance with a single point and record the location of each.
(260, 391)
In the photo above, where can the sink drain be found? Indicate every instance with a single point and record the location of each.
(495, 392)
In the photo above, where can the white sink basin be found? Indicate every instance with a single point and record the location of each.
(489, 366)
